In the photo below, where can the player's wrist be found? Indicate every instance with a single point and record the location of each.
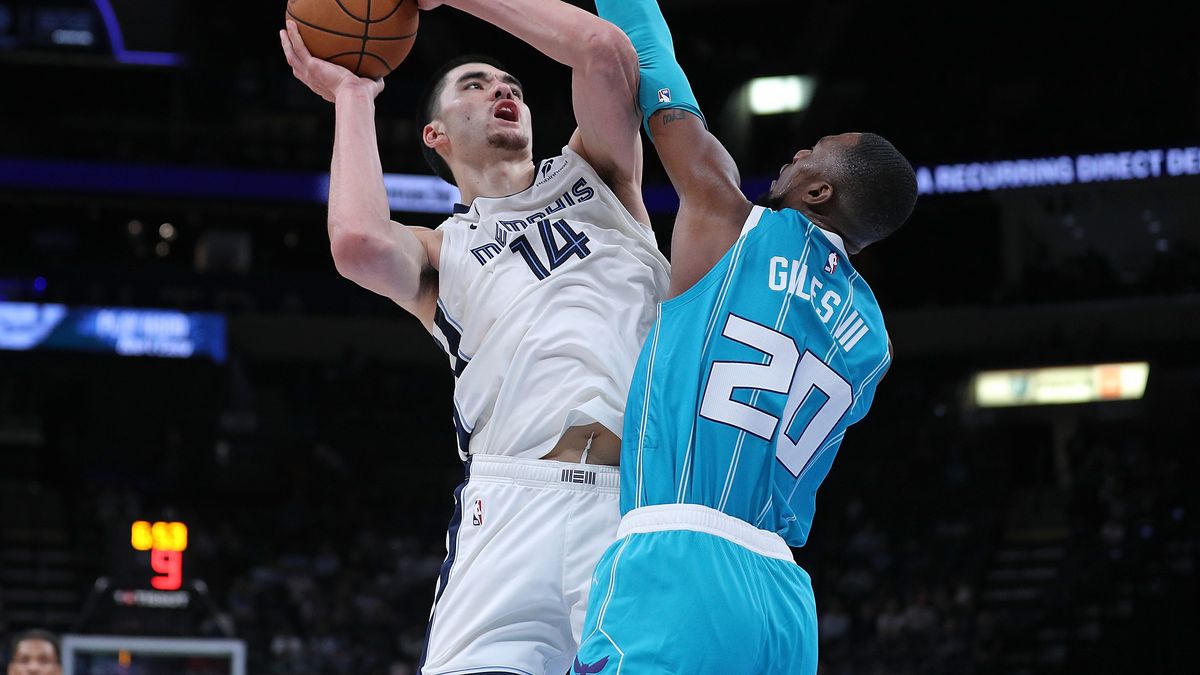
(355, 89)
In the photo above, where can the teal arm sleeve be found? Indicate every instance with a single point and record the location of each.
(663, 84)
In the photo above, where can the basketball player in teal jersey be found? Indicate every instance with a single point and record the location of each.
(769, 346)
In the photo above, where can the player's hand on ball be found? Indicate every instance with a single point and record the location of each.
(323, 77)
(427, 5)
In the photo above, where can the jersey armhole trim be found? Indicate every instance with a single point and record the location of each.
(446, 273)
(753, 219)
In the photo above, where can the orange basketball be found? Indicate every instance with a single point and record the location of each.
(369, 37)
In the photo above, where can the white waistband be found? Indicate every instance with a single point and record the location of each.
(548, 471)
(699, 518)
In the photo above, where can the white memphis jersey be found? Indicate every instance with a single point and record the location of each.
(544, 299)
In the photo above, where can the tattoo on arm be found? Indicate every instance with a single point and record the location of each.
(673, 116)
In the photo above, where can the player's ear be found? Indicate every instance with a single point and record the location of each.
(817, 192)
(434, 134)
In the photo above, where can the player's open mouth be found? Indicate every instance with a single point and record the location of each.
(507, 111)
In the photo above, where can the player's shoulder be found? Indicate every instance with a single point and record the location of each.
(456, 220)
(791, 228)
(552, 170)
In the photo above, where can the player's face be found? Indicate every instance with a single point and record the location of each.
(810, 165)
(484, 107)
(34, 657)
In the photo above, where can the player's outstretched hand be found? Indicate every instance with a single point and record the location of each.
(323, 77)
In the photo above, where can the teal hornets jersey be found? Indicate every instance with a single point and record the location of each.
(748, 381)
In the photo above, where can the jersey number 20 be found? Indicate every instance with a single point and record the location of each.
(817, 397)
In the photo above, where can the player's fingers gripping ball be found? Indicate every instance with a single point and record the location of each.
(370, 38)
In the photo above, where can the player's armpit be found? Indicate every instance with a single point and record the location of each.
(700, 239)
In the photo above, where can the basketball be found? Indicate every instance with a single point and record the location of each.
(368, 37)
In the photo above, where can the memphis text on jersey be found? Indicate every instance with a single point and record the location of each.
(505, 229)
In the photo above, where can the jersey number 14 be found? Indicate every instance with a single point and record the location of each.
(575, 245)
(817, 397)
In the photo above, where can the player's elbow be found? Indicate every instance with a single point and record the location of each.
(709, 185)
(608, 53)
(356, 253)
(378, 263)
(608, 41)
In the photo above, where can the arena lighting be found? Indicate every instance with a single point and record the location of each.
(1055, 386)
(80, 38)
(773, 95)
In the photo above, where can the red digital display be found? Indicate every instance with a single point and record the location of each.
(170, 565)
(166, 543)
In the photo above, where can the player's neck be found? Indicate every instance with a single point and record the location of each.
(494, 177)
(828, 223)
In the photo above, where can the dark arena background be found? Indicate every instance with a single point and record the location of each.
(218, 456)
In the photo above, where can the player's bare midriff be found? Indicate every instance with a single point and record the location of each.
(605, 446)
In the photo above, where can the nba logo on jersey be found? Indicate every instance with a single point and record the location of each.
(477, 517)
(832, 264)
(664, 95)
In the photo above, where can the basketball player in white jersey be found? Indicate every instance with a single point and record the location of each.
(541, 288)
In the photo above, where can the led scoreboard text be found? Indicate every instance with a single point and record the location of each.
(166, 543)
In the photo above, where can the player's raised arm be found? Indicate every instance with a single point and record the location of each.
(603, 82)
(368, 247)
(712, 206)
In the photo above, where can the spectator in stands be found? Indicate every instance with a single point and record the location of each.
(35, 652)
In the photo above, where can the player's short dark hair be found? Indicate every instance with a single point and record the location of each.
(35, 634)
(879, 187)
(427, 107)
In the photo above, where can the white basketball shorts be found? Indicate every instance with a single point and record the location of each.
(522, 545)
